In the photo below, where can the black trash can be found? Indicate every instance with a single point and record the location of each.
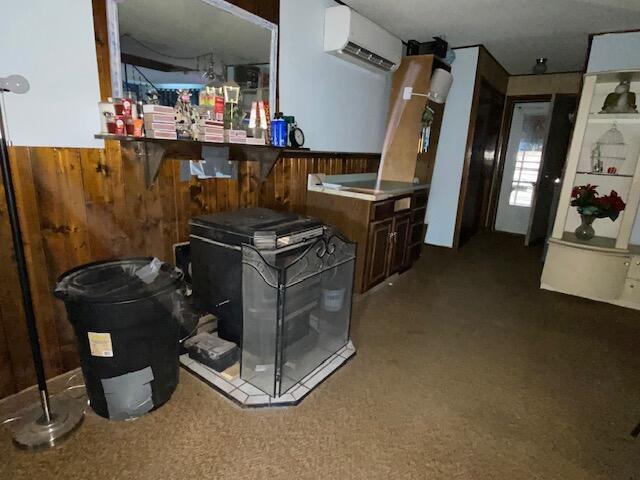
(128, 339)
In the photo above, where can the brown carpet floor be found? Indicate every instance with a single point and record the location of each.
(465, 370)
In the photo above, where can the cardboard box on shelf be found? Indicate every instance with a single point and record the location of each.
(165, 127)
(159, 118)
(161, 134)
(212, 138)
(157, 109)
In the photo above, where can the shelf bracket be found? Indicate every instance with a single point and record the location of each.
(153, 156)
(153, 152)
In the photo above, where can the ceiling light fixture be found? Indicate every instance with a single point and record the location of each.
(541, 66)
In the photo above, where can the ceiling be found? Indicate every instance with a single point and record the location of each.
(516, 32)
(189, 28)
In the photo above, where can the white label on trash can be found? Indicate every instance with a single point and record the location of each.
(100, 344)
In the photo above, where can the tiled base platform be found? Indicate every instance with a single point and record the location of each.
(248, 396)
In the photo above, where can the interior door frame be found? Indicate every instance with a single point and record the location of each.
(503, 142)
(464, 183)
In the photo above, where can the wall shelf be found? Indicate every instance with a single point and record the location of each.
(606, 267)
(154, 151)
(614, 117)
(603, 174)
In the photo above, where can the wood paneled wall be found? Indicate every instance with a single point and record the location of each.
(267, 9)
(546, 84)
(79, 205)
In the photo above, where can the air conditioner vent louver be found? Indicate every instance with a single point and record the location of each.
(367, 56)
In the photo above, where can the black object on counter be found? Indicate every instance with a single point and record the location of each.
(122, 312)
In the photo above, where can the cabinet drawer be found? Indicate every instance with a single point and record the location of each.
(586, 273)
(417, 216)
(631, 291)
(634, 268)
(419, 199)
(417, 233)
(382, 210)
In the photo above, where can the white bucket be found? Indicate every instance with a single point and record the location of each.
(332, 300)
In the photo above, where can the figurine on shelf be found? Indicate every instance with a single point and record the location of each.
(621, 100)
(186, 116)
(152, 98)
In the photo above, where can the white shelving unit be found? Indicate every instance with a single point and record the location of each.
(606, 268)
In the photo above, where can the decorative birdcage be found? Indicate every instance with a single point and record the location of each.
(609, 152)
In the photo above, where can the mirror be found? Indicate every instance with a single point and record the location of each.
(195, 50)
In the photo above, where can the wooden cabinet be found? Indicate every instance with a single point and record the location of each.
(399, 238)
(378, 248)
(606, 267)
(386, 248)
(389, 233)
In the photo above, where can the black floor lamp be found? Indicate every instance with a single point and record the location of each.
(45, 424)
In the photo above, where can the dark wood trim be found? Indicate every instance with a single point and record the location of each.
(486, 50)
(503, 142)
(319, 154)
(467, 159)
(470, 135)
(481, 46)
(267, 9)
(101, 35)
(547, 73)
(586, 58)
(108, 212)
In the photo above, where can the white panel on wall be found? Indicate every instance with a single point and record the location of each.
(442, 208)
(52, 44)
(617, 51)
(339, 106)
(614, 51)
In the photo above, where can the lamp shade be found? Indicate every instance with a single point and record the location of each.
(441, 81)
(14, 84)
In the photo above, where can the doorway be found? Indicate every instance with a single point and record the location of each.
(476, 196)
(533, 157)
(529, 123)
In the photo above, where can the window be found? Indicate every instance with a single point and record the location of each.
(525, 174)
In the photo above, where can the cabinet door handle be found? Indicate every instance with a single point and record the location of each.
(626, 264)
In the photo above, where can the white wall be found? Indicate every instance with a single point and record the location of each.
(51, 43)
(338, 105)
(447, 175)
(617, 51)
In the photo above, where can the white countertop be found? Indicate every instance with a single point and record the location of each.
(361, 185)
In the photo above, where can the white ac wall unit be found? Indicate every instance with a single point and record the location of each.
(357, 39)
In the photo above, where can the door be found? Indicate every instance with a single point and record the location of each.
(399, 242)
(475, 204)
(378, 245)
(522, 163)
(553, 160)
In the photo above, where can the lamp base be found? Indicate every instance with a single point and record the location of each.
(32, 431)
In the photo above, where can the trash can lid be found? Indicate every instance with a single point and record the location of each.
(114, 281)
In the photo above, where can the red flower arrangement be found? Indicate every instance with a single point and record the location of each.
(589, 202)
